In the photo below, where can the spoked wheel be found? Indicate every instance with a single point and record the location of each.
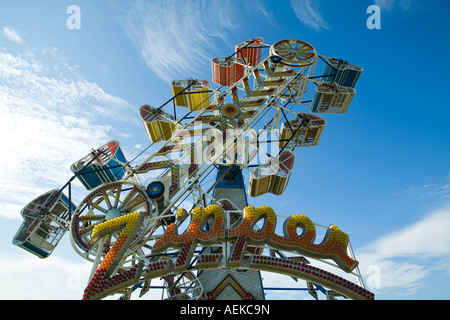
(183, 286)
(294, 53)
(108, 204)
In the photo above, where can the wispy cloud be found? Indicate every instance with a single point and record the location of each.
(390, 5)
(50, 118)
(308, 13)
(433, 190)
(177, 39)
(12, 35)
(174, 37)
(385, 4)
(258, 8)
(403, 257)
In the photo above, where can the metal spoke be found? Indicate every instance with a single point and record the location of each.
(105, 196)
(96, 206)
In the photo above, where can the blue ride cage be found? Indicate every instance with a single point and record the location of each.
(341, 72)
(108, 166)
(45, 220)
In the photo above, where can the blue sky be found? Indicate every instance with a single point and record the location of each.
(380, 172)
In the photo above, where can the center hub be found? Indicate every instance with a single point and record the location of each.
(113, 213)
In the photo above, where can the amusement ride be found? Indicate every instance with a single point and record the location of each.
(184, 215)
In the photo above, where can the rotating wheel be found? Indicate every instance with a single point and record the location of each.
(106, 203)
(185, 286)
(294, 53)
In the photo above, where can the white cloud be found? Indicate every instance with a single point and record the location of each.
(308, 13)
(177, 38)
(172, 37)
(51, 117)
(432, 191)
(403, 257)
(26, 277)
(12, 35)
(389, 5)
(258, 8)
(426, 238)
